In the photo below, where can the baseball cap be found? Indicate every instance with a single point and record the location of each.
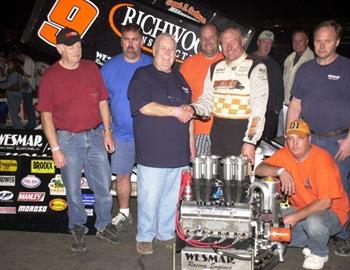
(67, 36)
(266, 34)
(298, 127)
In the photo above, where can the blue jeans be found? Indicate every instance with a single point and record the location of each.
(28, 103)
(14, 100)
(86, 151)
(314, 231)
(332, 146)
(157, 197)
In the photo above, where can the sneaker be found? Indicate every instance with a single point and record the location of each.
(314, 262)
(341, 246)
(121, 220)
(306, 251)
(168, 244)
(109, 233)
(78, 242)
(144, 248)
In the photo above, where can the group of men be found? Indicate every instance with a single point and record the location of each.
(152, 107)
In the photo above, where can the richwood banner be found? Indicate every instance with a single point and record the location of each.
(100, 22)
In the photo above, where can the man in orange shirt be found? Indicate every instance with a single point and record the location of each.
(194, 69)
(311, 177)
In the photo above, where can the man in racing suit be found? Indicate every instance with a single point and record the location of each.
(236, 92)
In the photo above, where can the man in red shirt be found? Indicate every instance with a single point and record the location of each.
(319, 203)
(73, 103)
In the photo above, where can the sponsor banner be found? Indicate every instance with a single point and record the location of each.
(100, 22)
(15, 142)
(88, 199)
(7, 210)
(32, 209)
(31, 196)
(8, 165)
(89, 212)
(84, 183)
(7, 180)
(56, 186)
(30, 181)
(6, 196)
(42, 166)
(58, 204)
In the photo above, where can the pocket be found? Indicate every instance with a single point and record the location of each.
(64, 137)
(94, 98)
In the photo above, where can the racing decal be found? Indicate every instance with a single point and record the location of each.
(42, 166)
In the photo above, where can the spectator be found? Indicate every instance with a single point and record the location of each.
(319, 203)
(117, 74)
(275, 81)
(73, 102)
(157, 94)
(194, 69)
(321, 96)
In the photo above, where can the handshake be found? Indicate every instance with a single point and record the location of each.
(185, 113)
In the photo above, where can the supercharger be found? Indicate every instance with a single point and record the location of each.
(227, 220)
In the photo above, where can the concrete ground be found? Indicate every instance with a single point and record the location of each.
(51, 251)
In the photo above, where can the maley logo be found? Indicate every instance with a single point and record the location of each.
(31, 197)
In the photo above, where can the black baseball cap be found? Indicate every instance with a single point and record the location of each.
(68, 36)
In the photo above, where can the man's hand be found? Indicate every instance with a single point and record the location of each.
(59, 159)
(184, 113)
(287, 183)
(248, 151)
(290, 220)
(108, 142)
(344, 149)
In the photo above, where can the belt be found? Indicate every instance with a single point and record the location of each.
(81, 131)
(331, 133)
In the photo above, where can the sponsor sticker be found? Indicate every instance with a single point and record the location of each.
(42, 166)
(89, 212)
(31, 197)
(56, 186)
(32, 209)
(84, 183)
(8, 165)
(6, 196)
(58, 204)
(30, 181)
(7, 210)
(7, 180)
(88, 199)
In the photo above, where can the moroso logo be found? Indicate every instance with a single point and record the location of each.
(42, 166)
(30, 181)
(8, 165)
(58, 204)
(7, 180)
(32, 209)
(153, 25)
(31, 197)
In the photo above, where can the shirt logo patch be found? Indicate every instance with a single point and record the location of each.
(333, 77)
(186, 90)
(307, 184)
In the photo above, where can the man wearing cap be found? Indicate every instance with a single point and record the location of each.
(311, 177)
(275, 80)
(73, 103)
(236, 93)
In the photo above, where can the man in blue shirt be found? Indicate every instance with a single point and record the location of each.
(117, 74)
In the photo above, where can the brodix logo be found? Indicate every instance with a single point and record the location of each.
(152, 26)
(42, 166)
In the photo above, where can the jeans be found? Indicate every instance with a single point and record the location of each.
(332, 146)
(28, 104)
(157, 197)
(86, 151)
(14, 100)
(314, 231)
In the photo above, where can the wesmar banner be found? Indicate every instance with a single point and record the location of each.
(100, 22)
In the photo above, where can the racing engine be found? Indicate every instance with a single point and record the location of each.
(226, 220)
